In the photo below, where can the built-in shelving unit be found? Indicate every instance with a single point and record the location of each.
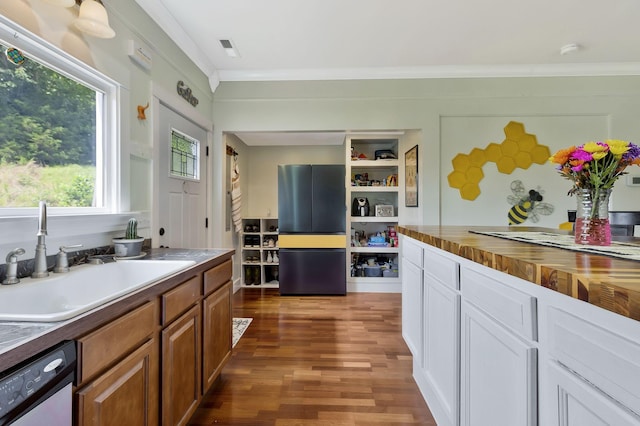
(372, 173)
(260, 252)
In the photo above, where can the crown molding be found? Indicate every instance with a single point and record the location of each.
(533, 70)
(159, 13)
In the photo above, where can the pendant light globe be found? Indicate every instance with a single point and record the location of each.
(93, 20)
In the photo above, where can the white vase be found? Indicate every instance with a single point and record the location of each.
(276, 259)
(269, 258)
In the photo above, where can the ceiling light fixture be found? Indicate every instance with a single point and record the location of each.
(92, 18)
(569, 48)
(229, 48)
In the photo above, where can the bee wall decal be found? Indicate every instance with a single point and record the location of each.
(526, 205)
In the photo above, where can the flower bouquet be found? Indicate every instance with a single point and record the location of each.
(593, 168)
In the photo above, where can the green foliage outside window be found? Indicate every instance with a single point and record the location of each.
(47, 137)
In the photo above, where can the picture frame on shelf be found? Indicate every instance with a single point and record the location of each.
(411, 177)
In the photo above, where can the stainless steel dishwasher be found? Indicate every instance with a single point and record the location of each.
(39, 391)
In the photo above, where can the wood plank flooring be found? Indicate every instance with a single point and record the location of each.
(316, 360)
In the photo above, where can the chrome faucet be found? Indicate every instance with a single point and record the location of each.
(12, 266)
(40, 267)
(62, 261)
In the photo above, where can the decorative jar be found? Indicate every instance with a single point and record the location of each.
(592, 217)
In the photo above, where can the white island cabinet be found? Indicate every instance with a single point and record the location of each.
(499, 350)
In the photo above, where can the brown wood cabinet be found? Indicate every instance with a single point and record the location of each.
(152, 364)
(126, 394)
(216, 334)
(181, 368)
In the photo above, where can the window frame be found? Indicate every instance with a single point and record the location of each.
(107, 121)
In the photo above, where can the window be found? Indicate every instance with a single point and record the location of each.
(184, 156)
(56, 143)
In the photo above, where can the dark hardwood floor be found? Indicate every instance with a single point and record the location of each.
(316, 360)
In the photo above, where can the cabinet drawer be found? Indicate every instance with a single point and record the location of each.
(514, 309)
(607, 360)
(178, 300)
(445, 270)
(217, 276)
(100, 348)
(412, 251)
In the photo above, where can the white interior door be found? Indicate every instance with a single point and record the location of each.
(182, 181)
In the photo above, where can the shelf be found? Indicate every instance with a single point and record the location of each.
(374, 219)
(261, 269)
(374, 163)
(374, 249)
(374, 189)
(373, 279)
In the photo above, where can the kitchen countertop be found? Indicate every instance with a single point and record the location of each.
(610, 283)
(21, 340)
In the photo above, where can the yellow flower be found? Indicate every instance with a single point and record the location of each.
(594, 147)
(599, 155)
(617, 147)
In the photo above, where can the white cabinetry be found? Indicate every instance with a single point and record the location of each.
(581, 404)
(593, 371)
(498, 359)
(375, 180)
(441, 317)
(260, 252)
(431, 326)
(412, 298)
(500, 350)
(498, 371)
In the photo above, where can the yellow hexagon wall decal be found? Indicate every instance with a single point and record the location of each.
(514, 130)
(461, 162)
(474, 174)
(523, 160)
(519, 149)
(477, 157)
(470, 191)
(506, 165)
(493, 152)
(456, 179)
(509, 148)
(540, 154)
(527, 142)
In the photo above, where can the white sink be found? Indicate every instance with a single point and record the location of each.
(63, 296)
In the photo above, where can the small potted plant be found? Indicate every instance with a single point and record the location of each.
(131, 244)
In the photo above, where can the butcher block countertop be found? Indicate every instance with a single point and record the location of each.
(608, 282)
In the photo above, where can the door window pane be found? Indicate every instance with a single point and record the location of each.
(184, 156)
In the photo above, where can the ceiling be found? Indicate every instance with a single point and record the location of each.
(364, 39)
(383, 39)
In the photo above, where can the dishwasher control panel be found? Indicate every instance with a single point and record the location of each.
(31, 381)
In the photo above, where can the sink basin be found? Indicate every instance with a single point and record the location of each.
(63, 296)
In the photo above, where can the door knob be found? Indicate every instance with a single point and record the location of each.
(161, 231)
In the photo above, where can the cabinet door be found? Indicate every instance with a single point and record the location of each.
(216, 335)
(126, 394)
(441, 349)
(580, 404)
(181, 368)
(498, 373)
(412, 309)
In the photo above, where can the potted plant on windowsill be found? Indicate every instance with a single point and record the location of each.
(131, 244)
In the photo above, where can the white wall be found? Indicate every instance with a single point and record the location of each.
(451, 116)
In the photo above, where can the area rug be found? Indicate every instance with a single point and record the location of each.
(239, 327)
